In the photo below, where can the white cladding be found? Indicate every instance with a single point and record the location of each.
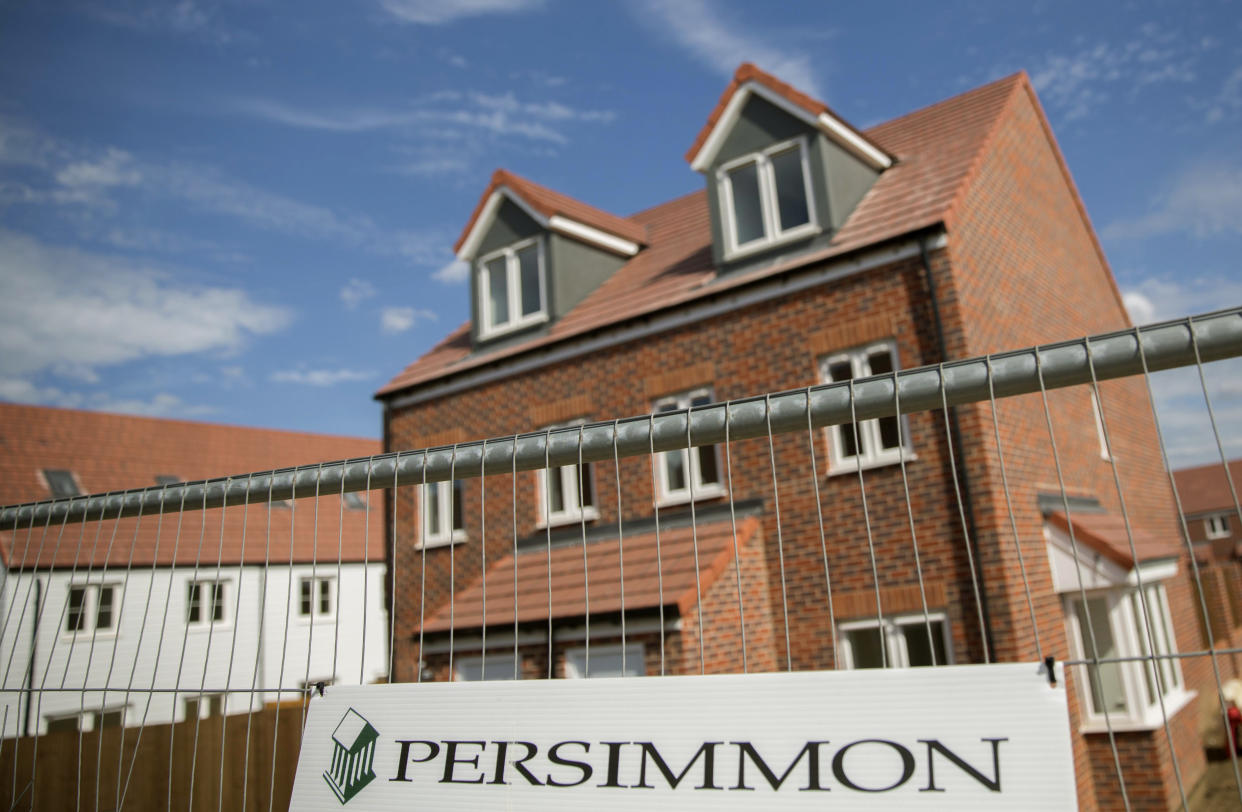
(151, 644)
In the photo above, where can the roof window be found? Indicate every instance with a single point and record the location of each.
(61, 483)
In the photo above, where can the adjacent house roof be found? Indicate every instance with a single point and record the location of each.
(566, 595)
(1106, 534)
(938, 151)
(1206, 488)
(548, 205)
(112, 452)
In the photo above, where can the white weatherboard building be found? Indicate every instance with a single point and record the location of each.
(186, 613)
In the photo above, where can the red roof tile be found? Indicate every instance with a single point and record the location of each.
(939, 149)
(111, 452)
(1205, 488)
(568, 589)
(549, 203)
(1106, 534)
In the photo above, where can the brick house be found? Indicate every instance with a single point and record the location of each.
(206, 598)
(815, 252)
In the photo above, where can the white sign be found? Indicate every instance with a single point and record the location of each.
(957, 737)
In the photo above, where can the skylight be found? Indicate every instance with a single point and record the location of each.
(61, 483)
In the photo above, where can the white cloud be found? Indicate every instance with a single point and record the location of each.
(437, 165)
(69, 312)
(1161, 298)
(703, 29)
(437, 12)
(455, 271)
(1203, 201)
(498, 115)
(320, 377)
(162, 404)
(355, 291)
(114, 168)
(400, 319)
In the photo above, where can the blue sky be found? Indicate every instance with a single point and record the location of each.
(244, 212)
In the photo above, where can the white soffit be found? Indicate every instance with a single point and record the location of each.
(581, 231)
(831, 126)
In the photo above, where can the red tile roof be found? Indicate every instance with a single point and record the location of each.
(1205, 488)
(1106, 534)
(568, 590)
(747, 72)
(549, 203)
(112, 452)
(939, 149)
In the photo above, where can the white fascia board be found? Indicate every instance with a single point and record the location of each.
(831, 126)
(1153, 571)
(852, 141)
(471, 246)
(602, 239)
(773, 287)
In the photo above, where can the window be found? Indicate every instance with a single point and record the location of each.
(1128, 691)
(511, 288)
(606, 661)
(61, 483)
(571, 498)
(444, 520)
(203, 706)
(1216, 527)
(867, 443)
(493, 667)
(204, 603)
(766, 198)
(92, 608)
(87, 720)
(317, 598)
(904, 640)
(687, 473)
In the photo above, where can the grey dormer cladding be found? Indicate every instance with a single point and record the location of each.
(839, 180)
(572, 269)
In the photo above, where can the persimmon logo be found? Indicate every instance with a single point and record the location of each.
(353, 756)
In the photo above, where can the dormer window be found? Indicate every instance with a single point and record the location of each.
(511, 288)
(767, 198)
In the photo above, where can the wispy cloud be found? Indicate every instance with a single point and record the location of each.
(438, 12)
(455, 271)
(492, 114)
(69, 312)
(320, 377)
(399, 319)
(1203, 201)
(161, 404)
(355, 291)
(1179, 398)
(706, 31)
(1076, 82)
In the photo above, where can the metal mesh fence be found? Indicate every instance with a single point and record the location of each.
(157, 645)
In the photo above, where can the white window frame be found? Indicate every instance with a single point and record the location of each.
(768, 202)
(499, 667)
(1126, 623)
(568, 514)
(316, 613)
(1099, 425)
(447, 533)
(203, 704)
(513, 278)
(1216, 526)
(696, 489)
(206, 611)
(868, 430)
(90, 610)
(576, 660)
(894, 642)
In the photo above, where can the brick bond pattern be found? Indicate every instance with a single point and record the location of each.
(1021, 266)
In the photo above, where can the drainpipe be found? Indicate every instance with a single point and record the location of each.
(963, 478)
(34, 636)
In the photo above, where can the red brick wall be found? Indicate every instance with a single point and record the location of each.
(1026, 269)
